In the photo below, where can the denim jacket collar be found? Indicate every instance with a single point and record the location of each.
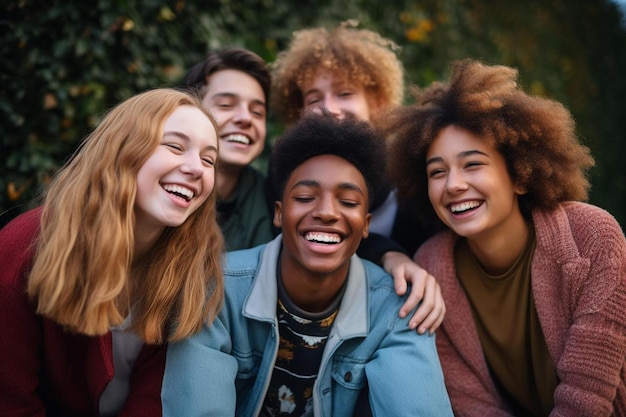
(261, 301)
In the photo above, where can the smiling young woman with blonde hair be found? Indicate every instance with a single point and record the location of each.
(122, 257)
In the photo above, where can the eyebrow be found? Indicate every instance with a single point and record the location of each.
(235, 96)
(344, 185)
(186, 138)
(463, 154)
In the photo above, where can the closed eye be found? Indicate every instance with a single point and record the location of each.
(474, 164)
(209, 162)
(435, 173)
(174, 146)
(312, 102)
(303, 199)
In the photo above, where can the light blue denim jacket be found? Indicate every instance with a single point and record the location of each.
(226, 368)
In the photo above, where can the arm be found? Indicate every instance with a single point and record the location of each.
(200, 375)
(591, 368)
(385, 252)
(20, 354)
(417, 386)
(144, 396)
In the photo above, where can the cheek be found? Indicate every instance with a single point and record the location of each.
(433, 192)
(208, 183)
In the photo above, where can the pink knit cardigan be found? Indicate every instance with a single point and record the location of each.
(579, 287)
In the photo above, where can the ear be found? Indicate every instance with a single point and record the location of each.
(278, 214)
(519, 189)
(366, 229)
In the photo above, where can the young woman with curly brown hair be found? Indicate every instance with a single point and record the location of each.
(534, 279)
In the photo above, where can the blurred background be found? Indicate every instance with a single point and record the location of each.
(63, 64)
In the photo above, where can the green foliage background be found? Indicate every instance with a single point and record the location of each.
(63, 64)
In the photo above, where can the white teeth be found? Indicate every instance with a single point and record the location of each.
(184, 192)
(457, 208)
(322, 237)
(238, 139)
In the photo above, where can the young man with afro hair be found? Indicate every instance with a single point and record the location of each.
(346, 70)
(308, 328)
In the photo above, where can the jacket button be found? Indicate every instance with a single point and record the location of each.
(348, 377)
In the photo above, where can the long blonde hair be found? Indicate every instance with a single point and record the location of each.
(85, 250)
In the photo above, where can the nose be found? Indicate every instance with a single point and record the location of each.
(192, 166)
(242, 115)
(331, 105)
(455, 182)
(326, 209)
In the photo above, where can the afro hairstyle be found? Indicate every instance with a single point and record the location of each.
(323, 134)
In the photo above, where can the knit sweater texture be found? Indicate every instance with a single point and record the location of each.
(578, 282)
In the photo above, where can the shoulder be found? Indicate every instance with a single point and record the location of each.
(375, 275)
(17, 245)
(243, 262)
(590, 228)
(436, 247)
(21, 230)
(384, 302)
(252, 177)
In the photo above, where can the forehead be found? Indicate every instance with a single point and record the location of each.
(327, 171)
(453, 139)
(234, 83)
(192, 123)
(329, 78)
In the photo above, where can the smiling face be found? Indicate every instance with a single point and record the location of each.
(237, 102)
(327, 92)
(323, 215)
(470, 188)
(179, 175)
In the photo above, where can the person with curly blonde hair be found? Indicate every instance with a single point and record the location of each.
(534, 278)
(123, 256)
(346, 70)
(351, 58)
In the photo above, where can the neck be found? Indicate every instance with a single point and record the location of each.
(145, 239)
(497, 251)
(226, 180)
(310, 291)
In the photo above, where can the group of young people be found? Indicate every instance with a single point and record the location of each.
(164, 275)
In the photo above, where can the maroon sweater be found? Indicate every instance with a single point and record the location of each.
(45, 370)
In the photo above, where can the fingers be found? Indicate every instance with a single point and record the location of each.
(418, 284)
(435, 317)
(429, 315)
(400, 284)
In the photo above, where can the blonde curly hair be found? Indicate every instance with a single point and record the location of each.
(351, 54)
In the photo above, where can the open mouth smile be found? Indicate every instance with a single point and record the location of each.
(237, 138)
(179, 191)
(465, 206)
(323, 238)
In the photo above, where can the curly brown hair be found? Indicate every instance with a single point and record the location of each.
(536, 136)
(357, 55)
